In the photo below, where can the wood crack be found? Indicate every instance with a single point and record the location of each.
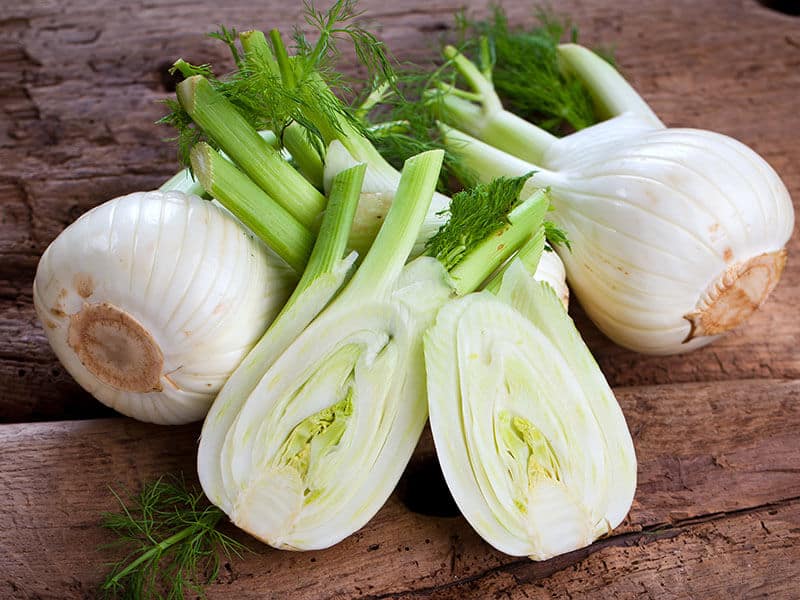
(535, 571)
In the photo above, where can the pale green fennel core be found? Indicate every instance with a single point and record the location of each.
(315, 436)
(528, 454)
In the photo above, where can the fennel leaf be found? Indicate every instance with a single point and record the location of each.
(474, 215)
(341, 20)
(173, 540)
(555, 236)
(187, 133)
(402, 123)
(229, 38)
(525, 69)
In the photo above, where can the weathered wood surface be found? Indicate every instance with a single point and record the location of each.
(717, 512)
(79, 91)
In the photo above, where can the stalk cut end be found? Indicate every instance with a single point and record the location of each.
(116, 348)
(736, 294)
(186, 91)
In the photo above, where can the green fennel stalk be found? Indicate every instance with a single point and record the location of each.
(522, 67)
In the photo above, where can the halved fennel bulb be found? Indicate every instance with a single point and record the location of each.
(320, 443)
(302, 450)
(530, 438)
(151, 300)
(678, 235)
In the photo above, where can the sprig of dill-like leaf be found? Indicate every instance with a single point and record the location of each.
(187, 133)
(555, 236)
(525, 69)
(229, 37)
(474, 214)
(402, 124)
(342, 20)
(174, 544)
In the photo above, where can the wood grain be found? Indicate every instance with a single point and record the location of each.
(715, 461)
(80, 85)
(742, 556)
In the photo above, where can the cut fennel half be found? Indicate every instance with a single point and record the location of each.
(316, 440)
(531, 440)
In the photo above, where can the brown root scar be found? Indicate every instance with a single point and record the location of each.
(116, 348)
(736, 294)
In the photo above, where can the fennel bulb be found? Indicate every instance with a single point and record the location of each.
(678, 235)
(530, 438)
(322, 441)
(151, 300)
(303, 452)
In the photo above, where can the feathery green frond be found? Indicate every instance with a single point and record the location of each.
(525, 69)
(555, 236)
(174, 542)
(402, 123)
(474, 215)
(188, 134)
(229, 38)
(341, 20)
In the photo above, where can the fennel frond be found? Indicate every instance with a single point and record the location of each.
(174, 540)
(524, 67)
(473, 215)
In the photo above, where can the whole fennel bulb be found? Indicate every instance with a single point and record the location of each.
(678, 235)
(151, 300)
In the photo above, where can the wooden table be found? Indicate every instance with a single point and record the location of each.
(717, 432)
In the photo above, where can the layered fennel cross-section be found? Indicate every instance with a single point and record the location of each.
(530, 438)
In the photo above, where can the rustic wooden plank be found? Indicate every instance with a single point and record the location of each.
(741, 556)
(704, 450)
(80, 83)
